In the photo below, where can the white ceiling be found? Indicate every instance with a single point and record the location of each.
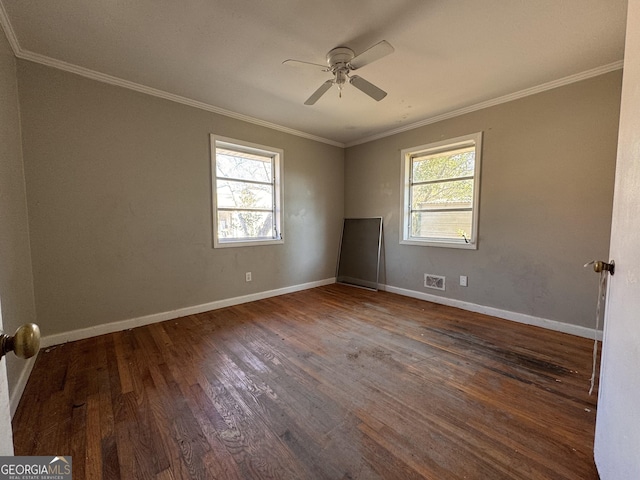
(449, 54)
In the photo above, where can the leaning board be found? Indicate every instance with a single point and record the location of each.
(359, 257)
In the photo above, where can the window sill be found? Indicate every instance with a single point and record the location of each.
(442, 244)
(246, 243)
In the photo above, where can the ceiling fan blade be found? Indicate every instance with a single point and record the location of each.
(367, 87)
(379, 50)
(291, 61)
(319, 92)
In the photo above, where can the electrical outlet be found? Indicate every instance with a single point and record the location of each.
(247, 277)
(463, 280)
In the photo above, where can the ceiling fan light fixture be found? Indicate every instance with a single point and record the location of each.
(341, 61)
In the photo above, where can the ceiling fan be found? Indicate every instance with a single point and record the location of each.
(340, 62)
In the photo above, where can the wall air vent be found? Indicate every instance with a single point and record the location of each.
(434, 281)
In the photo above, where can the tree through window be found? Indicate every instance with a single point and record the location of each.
(441, 191)
(247, 194)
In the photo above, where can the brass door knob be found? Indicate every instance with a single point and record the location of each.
(599, 266)
(25, 343)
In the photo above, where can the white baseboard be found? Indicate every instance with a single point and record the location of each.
(497, 312)
(18, 388)
(94, 331)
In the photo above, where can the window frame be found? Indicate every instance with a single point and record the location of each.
(277, 159)
(406, 156)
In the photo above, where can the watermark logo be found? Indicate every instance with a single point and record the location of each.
(35, 468)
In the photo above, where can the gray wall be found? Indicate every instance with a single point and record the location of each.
(119, 195)
(16, 283)
(545, 202)
(118, 189)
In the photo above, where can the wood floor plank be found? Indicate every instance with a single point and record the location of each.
(328, 383)
(93, 457)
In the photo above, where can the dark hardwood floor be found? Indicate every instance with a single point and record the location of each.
(330, 383)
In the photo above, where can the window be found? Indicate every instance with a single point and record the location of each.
(247, 193)
(441, 188)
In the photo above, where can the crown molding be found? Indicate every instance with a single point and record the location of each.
(120, 82)
(102, 77)
(594, 72)
(19, 52)
(8, 30)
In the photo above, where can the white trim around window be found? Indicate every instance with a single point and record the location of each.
(441, 193)
(247, 194)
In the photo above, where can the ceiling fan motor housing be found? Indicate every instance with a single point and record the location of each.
(339, 57)
(338, 60)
